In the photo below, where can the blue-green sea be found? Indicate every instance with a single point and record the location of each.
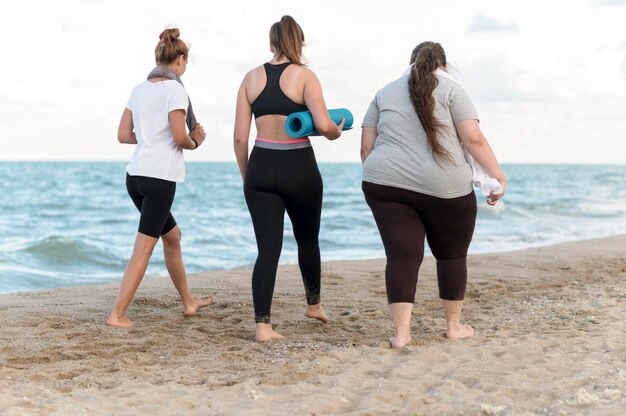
(72, 223)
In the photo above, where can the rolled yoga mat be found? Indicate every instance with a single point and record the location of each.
(301, 124)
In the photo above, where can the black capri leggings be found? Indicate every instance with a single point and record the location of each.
(403, 218)
(153, 198)
(277, 181)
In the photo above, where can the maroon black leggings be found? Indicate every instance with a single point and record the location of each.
(403, 218)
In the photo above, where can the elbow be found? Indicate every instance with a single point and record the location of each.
(180, 140)
(474, 141)
(240, 145)
(124, 138)
(239, 141)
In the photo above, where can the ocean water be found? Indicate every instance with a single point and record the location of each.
(72, 223)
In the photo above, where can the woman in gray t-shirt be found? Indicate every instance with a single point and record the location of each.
(419, 185)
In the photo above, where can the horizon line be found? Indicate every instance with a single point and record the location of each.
(319, 162)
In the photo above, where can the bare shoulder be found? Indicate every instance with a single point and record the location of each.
(253, 75)
(253, 83)
(306, 72)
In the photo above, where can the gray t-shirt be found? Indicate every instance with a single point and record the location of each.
(402, 157)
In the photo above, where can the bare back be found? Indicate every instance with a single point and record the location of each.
(298, 88)
(292, 84)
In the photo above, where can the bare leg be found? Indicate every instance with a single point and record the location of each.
(316, 312)
(401, 314)
(264, 332)
(176, 268)
(136, 268)
(456, 330)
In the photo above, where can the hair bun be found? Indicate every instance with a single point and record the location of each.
(170, 47)
(169, 34)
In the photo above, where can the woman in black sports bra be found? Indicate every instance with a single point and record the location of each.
(281, 173)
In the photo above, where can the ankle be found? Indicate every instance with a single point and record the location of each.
(117, 314)
(454, 325)
(188, 299)
(402, 329)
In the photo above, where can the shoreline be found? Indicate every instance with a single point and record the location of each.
(550, 340)
(237, 269)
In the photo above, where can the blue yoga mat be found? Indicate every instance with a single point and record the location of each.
(301, 124)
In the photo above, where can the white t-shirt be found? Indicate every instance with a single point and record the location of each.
(156, 154)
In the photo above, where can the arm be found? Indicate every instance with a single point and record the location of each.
(314, 100)
(368, 137)
(241, 135)
(125, 132)
(179, 131)
(476, 144)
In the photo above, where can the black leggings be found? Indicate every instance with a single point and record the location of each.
(153, 198)
(279, 180)
(403, 218)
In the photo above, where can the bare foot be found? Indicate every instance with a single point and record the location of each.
(460, 331)
(197, 304)
(398, 342)
(119, 322)
(264, 332)
(316, 312)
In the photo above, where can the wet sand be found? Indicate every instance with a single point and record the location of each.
(550, 340)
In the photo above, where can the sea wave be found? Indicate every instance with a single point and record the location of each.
(67, 224)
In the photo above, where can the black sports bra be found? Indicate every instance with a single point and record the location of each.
(272, 99)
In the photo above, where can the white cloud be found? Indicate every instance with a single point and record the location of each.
(535, 90)
(611, 2)
(484, 23)
(489, 80)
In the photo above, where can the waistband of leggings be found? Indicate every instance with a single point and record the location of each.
(282, 144)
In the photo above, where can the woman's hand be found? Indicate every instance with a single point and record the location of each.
(340, 125)
(492, 199)
(198, 134)
(476, 144)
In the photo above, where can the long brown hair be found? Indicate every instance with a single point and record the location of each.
(426, 58)
(287, 39)
(170, 47)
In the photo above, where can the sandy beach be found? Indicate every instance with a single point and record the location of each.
(550, 340)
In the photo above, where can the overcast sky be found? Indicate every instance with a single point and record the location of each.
(548, 77)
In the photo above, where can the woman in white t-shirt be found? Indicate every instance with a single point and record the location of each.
(154, 120)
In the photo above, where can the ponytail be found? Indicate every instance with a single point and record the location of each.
(287, 39)
(426, 58)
